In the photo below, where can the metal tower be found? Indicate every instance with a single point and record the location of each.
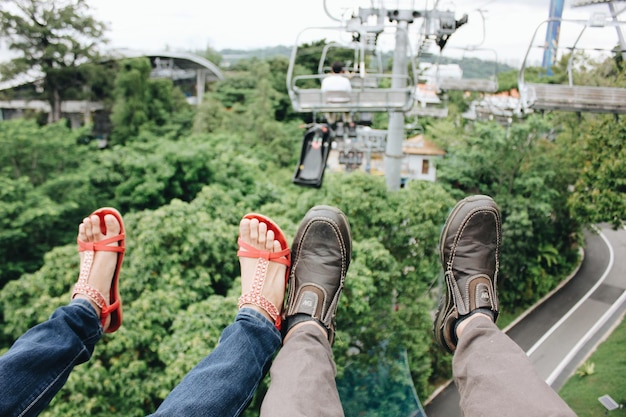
(552, 35)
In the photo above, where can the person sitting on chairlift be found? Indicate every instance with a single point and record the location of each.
(336, 82)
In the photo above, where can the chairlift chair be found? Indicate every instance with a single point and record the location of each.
(481, 85)
(367, 95)
(442, 25)
(571, 97)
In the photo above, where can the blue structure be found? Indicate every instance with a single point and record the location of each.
(552, 35)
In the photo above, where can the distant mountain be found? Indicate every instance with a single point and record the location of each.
(230, 56)
(472, 67)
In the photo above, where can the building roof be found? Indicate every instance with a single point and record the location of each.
(418, 145)
(180, 60)
(166, 64)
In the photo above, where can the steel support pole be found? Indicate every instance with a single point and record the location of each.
(395, 133)
(620, 35)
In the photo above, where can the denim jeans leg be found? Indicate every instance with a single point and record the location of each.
(223, 383)
(38, 364)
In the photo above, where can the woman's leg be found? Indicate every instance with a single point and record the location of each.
(40, 361)
(223, 383)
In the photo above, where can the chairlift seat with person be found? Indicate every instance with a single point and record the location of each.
(357, 100)
(367, 95)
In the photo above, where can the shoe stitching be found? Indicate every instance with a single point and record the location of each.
(344, 255)
(457, 294)
(340, 239)
(466, 219)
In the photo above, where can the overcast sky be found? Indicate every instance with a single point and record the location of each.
(247, 24)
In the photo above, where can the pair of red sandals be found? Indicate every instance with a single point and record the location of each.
(114, 308)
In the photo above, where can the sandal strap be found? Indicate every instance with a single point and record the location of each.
(255, 296)
(282, 257)
(82, 286)
(103, 245)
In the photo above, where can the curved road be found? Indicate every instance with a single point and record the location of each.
(562, 330)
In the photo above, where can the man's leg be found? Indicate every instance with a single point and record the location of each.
(495, 377)
(223, 383)
(302, 378)
(40, 361)
(493, 374)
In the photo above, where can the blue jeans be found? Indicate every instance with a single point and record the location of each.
(39, 362)
(223, 383)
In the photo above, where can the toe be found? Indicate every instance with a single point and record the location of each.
(269, 241)
(82, 234)
(254, 231)
(88, 227)
(276, 246)
(112, 225)
(262, 235)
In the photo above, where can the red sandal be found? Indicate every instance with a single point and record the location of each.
(255, 296)
(113, 306)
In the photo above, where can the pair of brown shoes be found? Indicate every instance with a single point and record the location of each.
(321, 253)
(469, 249)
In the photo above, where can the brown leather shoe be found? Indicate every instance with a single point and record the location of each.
(321, 254)
(469, 248)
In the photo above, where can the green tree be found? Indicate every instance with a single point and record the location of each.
(54, 37)
(599, 194)
(40, 153)
(210, 54)
(130, 109)
(145, 105)
(34, 212)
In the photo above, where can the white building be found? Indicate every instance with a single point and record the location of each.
(418, 163)
(420, 156)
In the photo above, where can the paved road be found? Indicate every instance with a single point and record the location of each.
(561, 331)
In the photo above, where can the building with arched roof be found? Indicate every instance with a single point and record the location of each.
(190, 72)
(180, 67)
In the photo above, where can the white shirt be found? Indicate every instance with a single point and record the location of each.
(336, 82)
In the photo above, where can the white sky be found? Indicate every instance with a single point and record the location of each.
(248, 24)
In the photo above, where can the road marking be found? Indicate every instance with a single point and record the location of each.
(579, 303)
(601, 322)
(595, 328)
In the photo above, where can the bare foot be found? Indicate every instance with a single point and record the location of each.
(255, 234)
(104, 263)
